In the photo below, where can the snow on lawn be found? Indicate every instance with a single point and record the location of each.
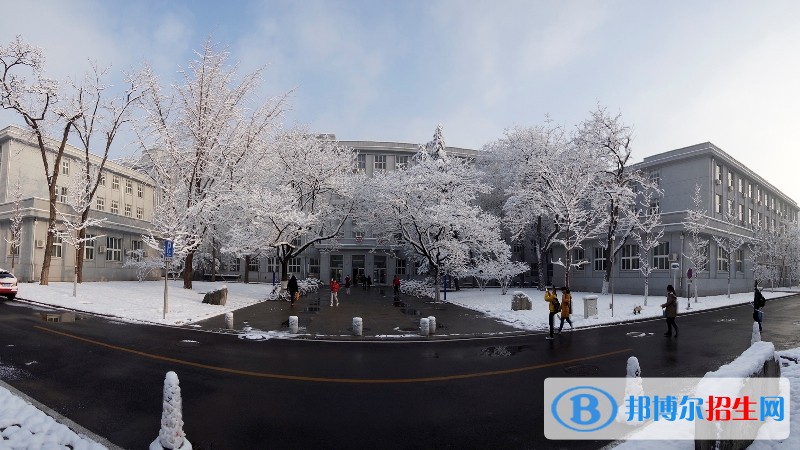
(144, 302)
(493, 304)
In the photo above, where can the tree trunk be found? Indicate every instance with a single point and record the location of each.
(436, 280)
(285, 268)
(48, 246)
(646, 288)
(79, 255)
(247, 268)
(188, 271)
(213, 261)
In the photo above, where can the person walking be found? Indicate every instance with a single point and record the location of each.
(552, 299)
(334, 292)
(369, 283)
(294, 290)
(347, 284)
(566, 308)
(671, 311)
(396, 285)
(758, 303)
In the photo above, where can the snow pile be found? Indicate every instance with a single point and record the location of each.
(23, 426)
(171, 435)
(633, 388)
(756, 337)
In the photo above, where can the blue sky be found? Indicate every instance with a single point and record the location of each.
(680, 72)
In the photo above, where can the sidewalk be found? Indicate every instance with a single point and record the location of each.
(382, 317)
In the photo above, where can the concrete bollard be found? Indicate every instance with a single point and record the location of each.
(756, 336)
(424, 327)
(432, 324)
(358, 326)
(229, 320)
(293, 324)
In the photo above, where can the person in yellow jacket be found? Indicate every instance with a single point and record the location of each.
(551, 298)
(566, 308)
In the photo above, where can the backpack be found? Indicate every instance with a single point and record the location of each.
(557, 304)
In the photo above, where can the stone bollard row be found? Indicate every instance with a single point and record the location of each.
(432, 324)
(293, 324)
(229, 320)
(427, 326)
(358, 326)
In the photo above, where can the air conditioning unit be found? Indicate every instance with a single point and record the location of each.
(101, 249)
(718, 181)
(730, 188)
(39, 243)
(673, 257)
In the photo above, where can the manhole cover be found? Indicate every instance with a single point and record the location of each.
(188, 343)
(582, 370)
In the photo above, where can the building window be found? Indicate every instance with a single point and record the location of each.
(516, 248)
(380, 162)
(102, 179)
(58, 247)
(750, 216)
(654, 207)
(137, 250)
(599, 258)
(730, 207)
(65, 167)
(718, 173)
(139, 213)
(313, 267)
(113, 249)
(740, 214)
(750, 190)
(272, 264)
(578, 255)
(400, 162)
(114, 207)
(235, 264)
(253, 266)
(100, 204)
(741, 185)
(294, 265)
(361, 159)
(400, 266)
(655, 177)
(62, 194)
(128, 210)
(115, 183)
(730, 180)
(661, 256)
(140, 191)
(739, 260)
(128, 187)
(718, 203)
(722, 259)
(630, 257)
(88, 247)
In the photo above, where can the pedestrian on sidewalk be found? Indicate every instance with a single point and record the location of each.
(369, 282)
(671, 311)
(396, 285)
(758, 303)
(334, 292)
(347, 284)
(552, 299)
(294, 290)
(566, 308)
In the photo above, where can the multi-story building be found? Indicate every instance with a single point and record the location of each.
(125, 198)
(725, 185)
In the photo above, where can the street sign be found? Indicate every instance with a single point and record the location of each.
(169, 249)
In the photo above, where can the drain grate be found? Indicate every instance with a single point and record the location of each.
(582, 370)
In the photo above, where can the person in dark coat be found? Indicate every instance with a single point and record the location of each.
(294, 289)
(566, 308)
(758, 303)
(347, 284)
(396, 285)
(552, 299)
(671, 311)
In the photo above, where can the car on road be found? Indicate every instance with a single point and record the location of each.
(8, 284)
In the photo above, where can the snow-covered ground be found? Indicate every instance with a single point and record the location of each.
(24, 426)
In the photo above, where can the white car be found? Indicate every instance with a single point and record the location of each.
(8, 284)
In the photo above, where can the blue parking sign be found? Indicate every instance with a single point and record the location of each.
(169, 248)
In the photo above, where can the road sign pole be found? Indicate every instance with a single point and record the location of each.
(168, 253)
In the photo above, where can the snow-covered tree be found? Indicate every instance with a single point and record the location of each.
(648, 231)
(696, 224)
(45, 110)
(729, 242)
(171, 434)
(301, 194)
(502, 271)
(198, 140)
(610, 140)
(429, 212)
(15, 240)
(97, 129)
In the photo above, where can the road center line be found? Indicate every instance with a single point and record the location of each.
(330, 380)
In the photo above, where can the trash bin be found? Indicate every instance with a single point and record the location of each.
(589, 306)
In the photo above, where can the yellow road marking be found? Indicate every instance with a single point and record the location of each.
(330, 380)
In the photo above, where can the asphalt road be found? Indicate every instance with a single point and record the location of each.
(460, 394)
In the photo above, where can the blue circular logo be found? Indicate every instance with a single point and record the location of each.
(584, 409)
